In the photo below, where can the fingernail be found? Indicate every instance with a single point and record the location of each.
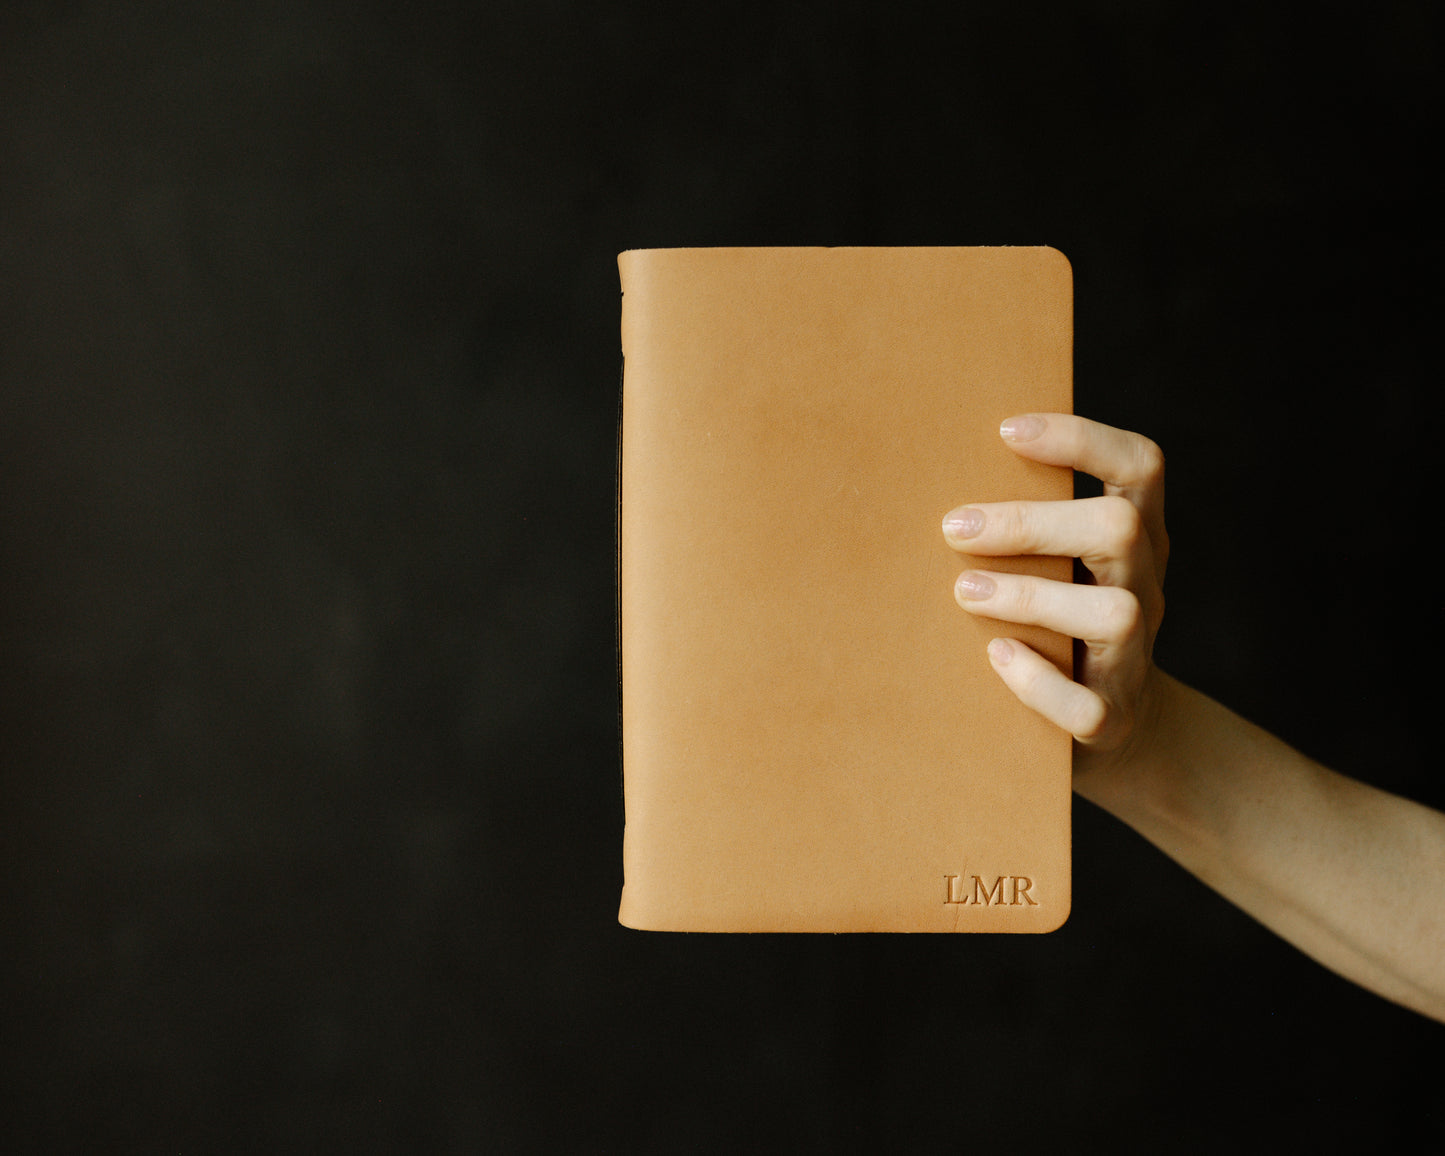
(963, 524)
(1000, 651)
(974, 586)
(1022, 429)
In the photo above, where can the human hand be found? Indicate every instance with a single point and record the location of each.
(1121, 540)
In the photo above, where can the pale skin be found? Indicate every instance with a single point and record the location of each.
(1351, 875)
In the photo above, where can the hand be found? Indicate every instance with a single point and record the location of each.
(1306, 851)
(1121, 540)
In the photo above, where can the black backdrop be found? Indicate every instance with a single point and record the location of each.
(310, 796)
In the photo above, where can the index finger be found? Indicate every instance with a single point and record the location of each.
(1128, 464)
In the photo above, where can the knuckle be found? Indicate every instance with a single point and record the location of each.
(1018, 526)
(1089, 718)
(1122, 524)
(1149, 462)
(1120, 612)
(1024, 599)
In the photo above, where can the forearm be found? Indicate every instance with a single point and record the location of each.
(1351, 875)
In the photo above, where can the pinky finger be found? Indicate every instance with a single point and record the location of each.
(1041, 686)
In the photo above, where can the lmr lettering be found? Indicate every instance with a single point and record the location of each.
(997, 895)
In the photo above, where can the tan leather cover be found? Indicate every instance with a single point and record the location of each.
(813, 739)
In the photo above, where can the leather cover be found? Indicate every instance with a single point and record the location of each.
(813, 739)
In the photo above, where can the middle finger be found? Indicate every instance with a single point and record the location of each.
(1106, 533)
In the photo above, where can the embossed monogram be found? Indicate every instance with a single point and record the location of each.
(984, 895)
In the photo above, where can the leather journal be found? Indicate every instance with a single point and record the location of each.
(813, 739)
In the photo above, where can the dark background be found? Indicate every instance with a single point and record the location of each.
(310, 809)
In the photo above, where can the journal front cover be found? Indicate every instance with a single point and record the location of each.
(812, 737)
